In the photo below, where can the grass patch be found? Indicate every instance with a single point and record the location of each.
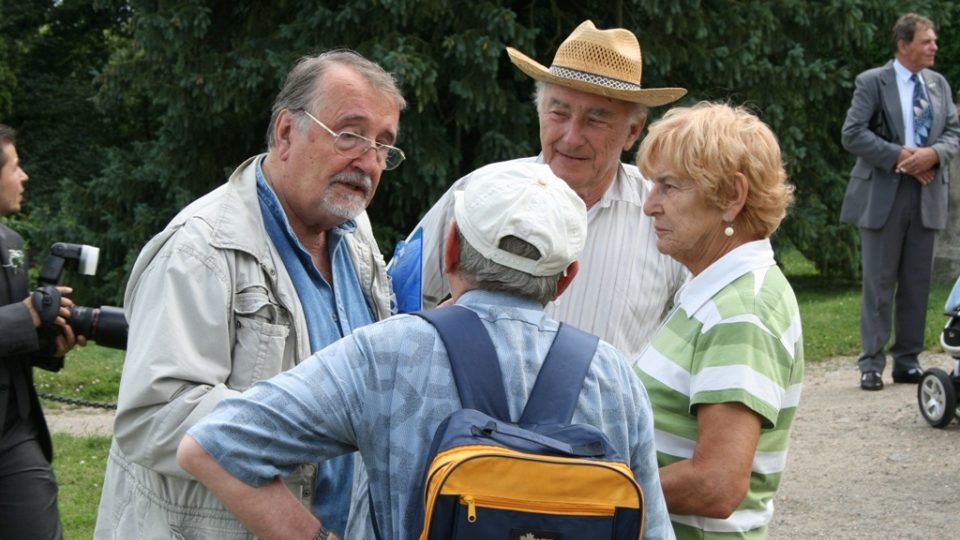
(79, 463)
(90, 373)
(830, 310)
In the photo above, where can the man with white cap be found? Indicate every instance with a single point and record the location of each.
(384, 390)
(591, 107)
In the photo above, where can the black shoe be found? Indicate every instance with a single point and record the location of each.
(871, 380)
(912, 376)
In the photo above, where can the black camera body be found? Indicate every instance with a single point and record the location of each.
(106, 325)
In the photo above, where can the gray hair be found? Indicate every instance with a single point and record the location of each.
(906, 27)
(638, 113)
(302, 91)
(8, 135)
(497, 277)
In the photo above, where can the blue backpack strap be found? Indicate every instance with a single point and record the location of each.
(473, 359)
(555, 394)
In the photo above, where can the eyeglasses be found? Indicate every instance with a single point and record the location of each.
(352, 145)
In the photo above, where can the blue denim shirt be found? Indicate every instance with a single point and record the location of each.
(331, 313)
(385, 389)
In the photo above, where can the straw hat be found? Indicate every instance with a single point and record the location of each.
(603, 62)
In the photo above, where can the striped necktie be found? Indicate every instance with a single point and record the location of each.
(922, 115)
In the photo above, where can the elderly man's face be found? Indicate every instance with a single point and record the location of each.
(324, 188)
(12, 178)
(582, 136)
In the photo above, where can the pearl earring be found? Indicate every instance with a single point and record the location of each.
(728, 231)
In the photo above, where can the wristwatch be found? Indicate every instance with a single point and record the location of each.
(322, 534)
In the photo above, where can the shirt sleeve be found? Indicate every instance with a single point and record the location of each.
(303, 415)
(739, 361)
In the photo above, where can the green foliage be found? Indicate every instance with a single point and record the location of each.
(62, 137)
(7, 79)
(128, 110)
(79, 463)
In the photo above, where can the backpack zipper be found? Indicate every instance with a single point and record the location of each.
(502, 503)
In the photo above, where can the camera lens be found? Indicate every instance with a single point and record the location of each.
(107, 325)
(83, 321)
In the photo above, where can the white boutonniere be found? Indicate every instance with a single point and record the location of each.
(14, 259)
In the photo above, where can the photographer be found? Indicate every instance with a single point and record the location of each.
(28, 489)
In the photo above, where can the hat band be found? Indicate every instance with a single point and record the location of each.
(598, 80)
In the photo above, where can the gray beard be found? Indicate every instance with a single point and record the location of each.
(351, 206)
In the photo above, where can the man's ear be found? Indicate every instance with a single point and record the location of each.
(636, 127)
(567, 277)
(451, 250)
(901, 45)
(282, 130)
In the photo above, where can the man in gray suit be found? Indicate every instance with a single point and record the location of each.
(902, 126)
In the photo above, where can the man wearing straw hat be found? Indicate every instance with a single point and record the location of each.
(591, 107)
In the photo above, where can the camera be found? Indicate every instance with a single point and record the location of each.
(106, 325)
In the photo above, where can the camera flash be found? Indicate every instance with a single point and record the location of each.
(89, 255)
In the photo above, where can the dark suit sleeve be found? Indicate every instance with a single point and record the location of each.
(19, 339)
(866, 130)
(948, 143)
(18, 335)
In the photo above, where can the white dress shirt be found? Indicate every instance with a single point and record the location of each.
(624, 287)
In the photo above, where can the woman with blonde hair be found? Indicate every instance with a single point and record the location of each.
(724, 371)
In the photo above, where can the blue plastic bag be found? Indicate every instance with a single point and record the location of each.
(406, 272)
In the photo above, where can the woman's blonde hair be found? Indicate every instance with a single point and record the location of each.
(709, 143)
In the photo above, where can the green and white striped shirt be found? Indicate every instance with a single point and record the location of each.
(734, 336)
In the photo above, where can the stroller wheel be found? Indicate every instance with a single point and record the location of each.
(937, 397)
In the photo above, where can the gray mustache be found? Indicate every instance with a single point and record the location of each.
(355, 179)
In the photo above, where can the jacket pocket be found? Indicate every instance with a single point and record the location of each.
(261, 327)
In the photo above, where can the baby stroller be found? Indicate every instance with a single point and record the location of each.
(938, 391)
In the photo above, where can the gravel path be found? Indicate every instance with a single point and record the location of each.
(861, 464)
(866, 464)
(82, 421)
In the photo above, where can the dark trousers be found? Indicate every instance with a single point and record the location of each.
(28, 489)
(897, 268)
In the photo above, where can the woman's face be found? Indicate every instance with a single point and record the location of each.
(688, 227)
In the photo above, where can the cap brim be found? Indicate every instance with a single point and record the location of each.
(651, 97)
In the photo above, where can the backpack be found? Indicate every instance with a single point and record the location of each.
(541, 478)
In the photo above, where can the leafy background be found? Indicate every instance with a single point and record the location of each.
(127, 110)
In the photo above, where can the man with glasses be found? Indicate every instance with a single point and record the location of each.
(247, 282)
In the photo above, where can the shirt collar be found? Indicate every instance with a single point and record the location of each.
(615, 192)
(268, 198)
(746, 258)
(482, 300)
(904, 74)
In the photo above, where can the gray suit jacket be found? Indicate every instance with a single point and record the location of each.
(874, 132)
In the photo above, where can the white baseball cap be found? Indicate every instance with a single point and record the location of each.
(525, 200)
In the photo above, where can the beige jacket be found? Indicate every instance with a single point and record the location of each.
(212, 310)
